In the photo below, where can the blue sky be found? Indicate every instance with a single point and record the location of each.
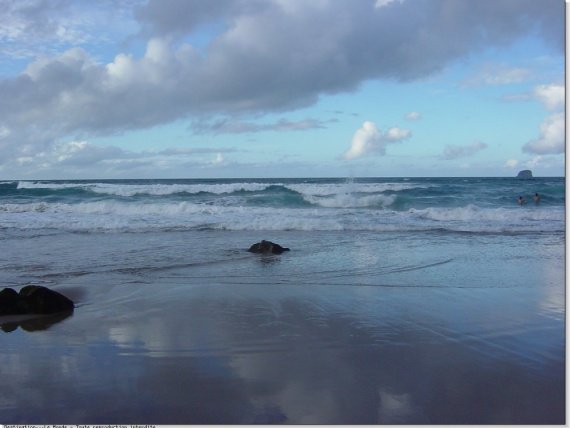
(280, 88)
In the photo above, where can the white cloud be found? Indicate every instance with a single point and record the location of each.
(250, 65)
(551, 96)
(382, 3)
(77, 154)
(455, 152)
(511, 163)
(498, 74)
(4, 132)
(365, 140)
(83, 159)
(262, 56)
(551, 139)
(29, 28)
(534, 162)
(544, 164)
(369, 140)
(235, 126)
(413, 116)
(177, 151)
(397, 134)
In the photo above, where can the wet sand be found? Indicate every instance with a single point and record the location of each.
(342, 330)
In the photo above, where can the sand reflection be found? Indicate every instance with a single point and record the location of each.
(31, 323)
(283, 355)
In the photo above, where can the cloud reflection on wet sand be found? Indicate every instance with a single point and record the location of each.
(290, 356)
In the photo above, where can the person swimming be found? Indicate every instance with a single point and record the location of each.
(521, 200)
(536, 198)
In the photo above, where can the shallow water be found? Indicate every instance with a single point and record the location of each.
(349, 327)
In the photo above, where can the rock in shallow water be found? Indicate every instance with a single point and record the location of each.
(9, 302)
(33, 299)
(267, 247)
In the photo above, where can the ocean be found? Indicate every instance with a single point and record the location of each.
(476, 205)
(402, 300)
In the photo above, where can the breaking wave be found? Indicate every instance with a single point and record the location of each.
(448, 204)
(111, 215)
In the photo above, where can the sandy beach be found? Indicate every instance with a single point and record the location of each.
(345, 328)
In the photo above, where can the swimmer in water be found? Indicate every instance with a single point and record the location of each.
(536, 198)
(521, 200)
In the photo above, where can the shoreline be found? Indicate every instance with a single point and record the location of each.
(359, 328)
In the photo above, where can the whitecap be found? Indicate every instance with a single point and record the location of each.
(350, 200)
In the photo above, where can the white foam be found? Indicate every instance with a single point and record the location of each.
(120, 216)
(123, 216)
(308, 190)
(351, 194)
(127, 190)
(474, 214)
(351, 200)
(41, 185)
(170, 189)
(350, 187)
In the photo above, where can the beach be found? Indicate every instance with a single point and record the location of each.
(418, 301)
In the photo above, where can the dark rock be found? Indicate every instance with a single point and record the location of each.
(33, 299)
(42, 300)
(10, 302)
(527, 173)
(9, 327)
(267, 247)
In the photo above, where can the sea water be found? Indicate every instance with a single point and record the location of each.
(476, 205)
(406, 300)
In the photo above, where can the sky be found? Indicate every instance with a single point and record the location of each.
(281, 88)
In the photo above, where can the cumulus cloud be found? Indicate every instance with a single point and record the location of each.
(74, 154)
(455, 152)
(395, 135)
(279, 56)
(545, 163)
(551, 138)
(186, 16)
(83, 159)
(263, 56)
(369, 140)
(551, 96)
(29, 21)
(29, 28)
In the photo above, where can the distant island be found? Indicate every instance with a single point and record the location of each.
(526, 173)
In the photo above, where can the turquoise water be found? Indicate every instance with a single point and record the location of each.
(446, 204)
